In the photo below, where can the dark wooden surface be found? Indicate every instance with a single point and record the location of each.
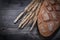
(9, 10)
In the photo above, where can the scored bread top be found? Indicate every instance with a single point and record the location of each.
(49, 17)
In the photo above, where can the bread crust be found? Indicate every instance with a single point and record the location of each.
(49, 18)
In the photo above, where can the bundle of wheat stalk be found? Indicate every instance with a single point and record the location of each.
(31, 14)
(46, 14)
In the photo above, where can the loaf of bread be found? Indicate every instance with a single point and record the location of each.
(49, 17)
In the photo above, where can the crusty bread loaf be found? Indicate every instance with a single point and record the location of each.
(49, 17)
